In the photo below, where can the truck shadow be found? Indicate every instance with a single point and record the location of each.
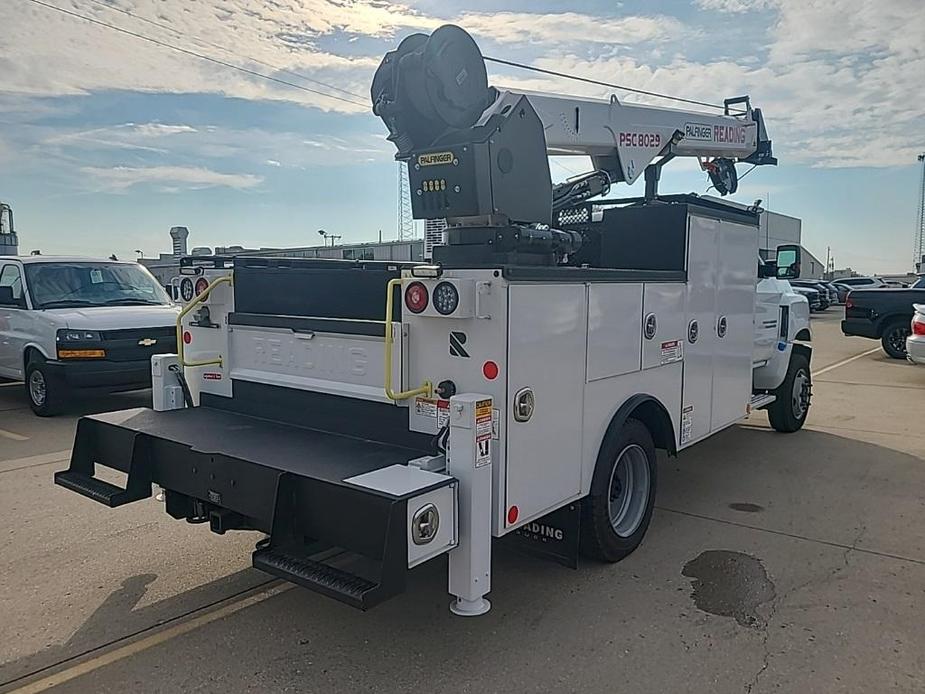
(119, 616)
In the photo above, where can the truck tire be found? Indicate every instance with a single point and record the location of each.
(46, 395)
(894, 338)
(788, 412)
(616, 513)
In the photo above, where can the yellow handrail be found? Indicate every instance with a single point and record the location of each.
(186, 309)
(426, 388)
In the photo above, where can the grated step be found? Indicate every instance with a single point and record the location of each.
(93, 488)
(315, 575)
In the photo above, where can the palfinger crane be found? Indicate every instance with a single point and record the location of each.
(490, 147)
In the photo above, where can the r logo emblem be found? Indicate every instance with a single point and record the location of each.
(457, 340)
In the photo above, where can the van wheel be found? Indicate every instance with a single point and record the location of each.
(45, 394)
(788, 412)
(616, 514)
(894, 339)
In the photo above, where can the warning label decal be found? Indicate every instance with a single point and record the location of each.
(672, 350)
(483, 432)
(687, 423)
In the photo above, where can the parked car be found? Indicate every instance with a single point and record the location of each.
(78, 325)
(824, 298)
(812, 296)
(862, 282)
(843, 290)
(882, 314)
(915, 343)
(834, 296)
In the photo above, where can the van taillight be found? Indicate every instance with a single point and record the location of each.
(848, 302)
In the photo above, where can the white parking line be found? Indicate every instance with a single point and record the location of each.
(13, 436)
(832, 367)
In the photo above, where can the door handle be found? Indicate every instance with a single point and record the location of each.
(524, 404)
(721, 326)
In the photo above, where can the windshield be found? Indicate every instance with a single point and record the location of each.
(919, 283)
(64, 285)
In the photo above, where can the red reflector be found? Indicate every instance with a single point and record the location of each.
(848, 302)
(918, 327)
(512, 513)
(187, 337)
(490, 370)
(416, 297)
(201, 285)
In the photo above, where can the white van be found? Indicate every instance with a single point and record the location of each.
(79, 325)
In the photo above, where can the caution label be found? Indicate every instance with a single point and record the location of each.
(687, 423)
(672, 350)
(483, 431)
(425, 407)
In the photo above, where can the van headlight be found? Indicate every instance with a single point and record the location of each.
(69, 335)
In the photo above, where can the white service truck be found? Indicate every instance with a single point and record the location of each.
(518, 387)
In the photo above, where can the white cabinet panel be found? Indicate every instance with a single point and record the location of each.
(665, 303)
(546, 353)
(614, 312)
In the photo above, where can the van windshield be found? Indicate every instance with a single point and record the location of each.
(73, 284)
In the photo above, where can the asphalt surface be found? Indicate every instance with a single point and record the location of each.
(773, 563)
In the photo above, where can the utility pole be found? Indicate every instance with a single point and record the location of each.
(918, 254)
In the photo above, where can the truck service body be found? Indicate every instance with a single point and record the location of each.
(518, 387)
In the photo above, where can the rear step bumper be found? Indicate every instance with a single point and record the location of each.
(302, 487)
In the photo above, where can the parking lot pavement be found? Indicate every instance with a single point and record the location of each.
(773, 563)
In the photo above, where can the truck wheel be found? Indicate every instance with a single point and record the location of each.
(789, 411)
(894, 339)
(616, 514)
(45, 394)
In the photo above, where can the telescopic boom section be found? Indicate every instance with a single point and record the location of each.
(432, 92)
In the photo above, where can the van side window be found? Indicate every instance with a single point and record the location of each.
(11, 277)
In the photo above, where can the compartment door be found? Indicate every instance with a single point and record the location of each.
(699, 335)
(734, 327)
(546, 353)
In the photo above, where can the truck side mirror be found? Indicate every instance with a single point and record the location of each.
(767, 269)
(788, 262)
(7, 299)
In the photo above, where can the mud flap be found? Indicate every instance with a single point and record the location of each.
(554, 536)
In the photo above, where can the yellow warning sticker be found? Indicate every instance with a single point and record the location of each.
(483, 409)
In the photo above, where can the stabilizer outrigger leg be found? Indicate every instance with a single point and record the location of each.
(469, 461)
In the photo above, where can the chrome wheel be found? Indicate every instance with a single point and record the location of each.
(629, 490)
(38, 390)
(799, 396)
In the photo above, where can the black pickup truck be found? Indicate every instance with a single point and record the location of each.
(883, 314)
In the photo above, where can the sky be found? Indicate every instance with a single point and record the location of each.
(107, 140)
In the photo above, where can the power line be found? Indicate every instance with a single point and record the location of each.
(216, 61)
(610, 85)
(201, 40)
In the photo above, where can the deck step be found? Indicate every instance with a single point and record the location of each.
(760, 400)
(99, 490)
(315, 575)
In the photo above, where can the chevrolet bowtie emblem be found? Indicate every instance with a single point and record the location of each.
(147, 342)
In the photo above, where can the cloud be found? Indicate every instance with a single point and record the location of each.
(570, 27)
(173, 178)
(735, 6)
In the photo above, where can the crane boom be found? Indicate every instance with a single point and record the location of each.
(479, 156)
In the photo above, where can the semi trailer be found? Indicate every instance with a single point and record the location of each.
(516, 388)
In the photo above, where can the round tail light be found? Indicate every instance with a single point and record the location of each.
(416, 297)
(201, 285)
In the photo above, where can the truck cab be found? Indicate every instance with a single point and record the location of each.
(77, 325)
